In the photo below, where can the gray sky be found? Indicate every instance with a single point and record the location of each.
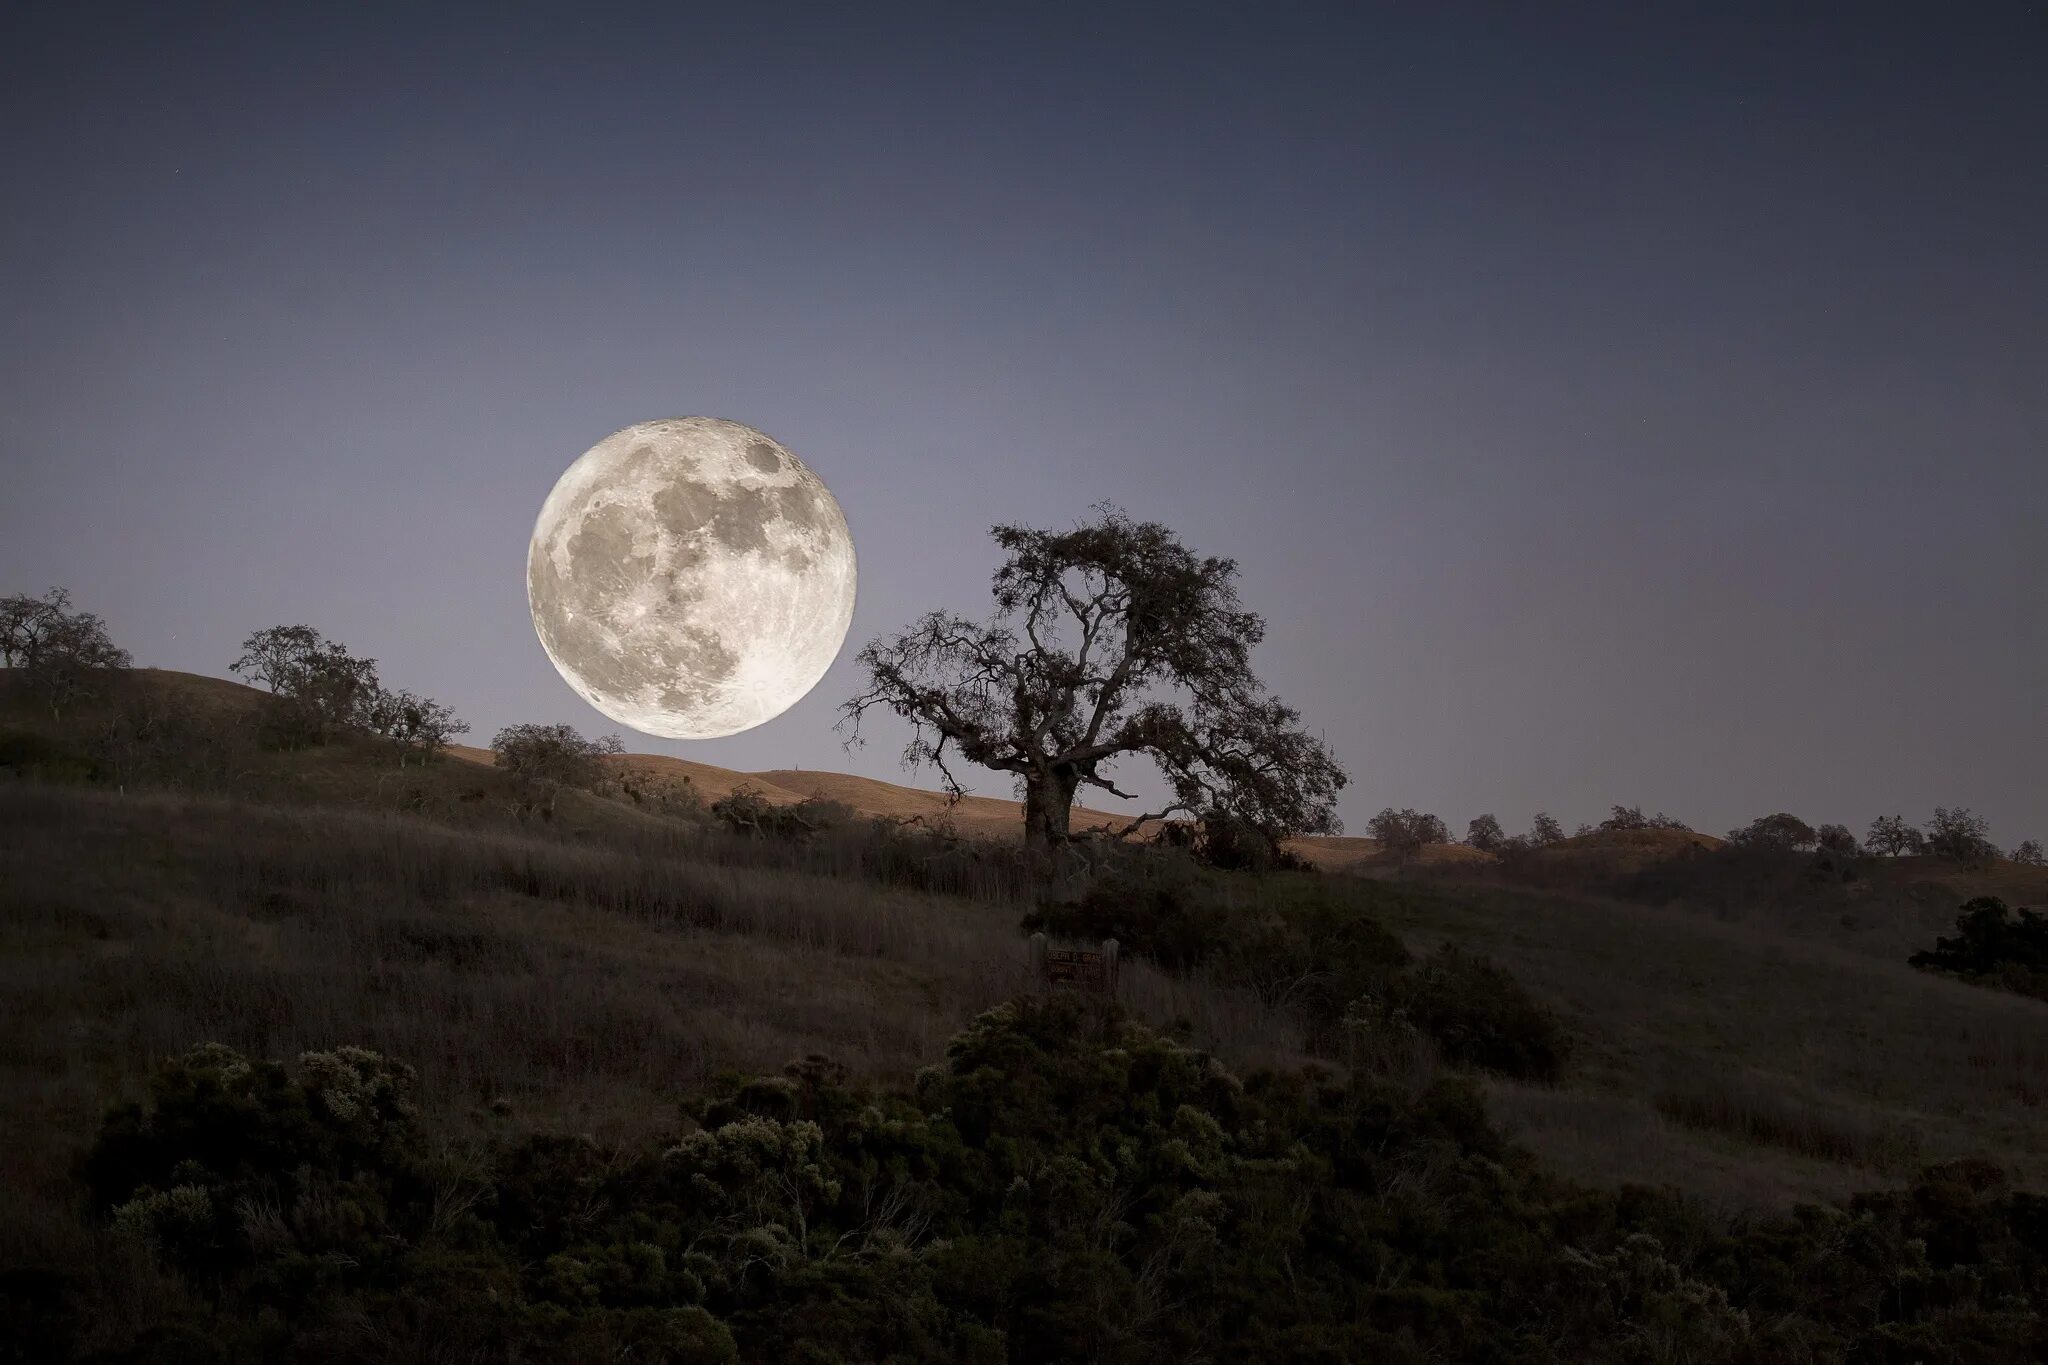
(1603, 406)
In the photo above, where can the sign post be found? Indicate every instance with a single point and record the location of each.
(1088, 969)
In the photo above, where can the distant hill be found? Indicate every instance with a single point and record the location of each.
(1904, 896)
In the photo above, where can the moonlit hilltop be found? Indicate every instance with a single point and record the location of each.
(1342, 685)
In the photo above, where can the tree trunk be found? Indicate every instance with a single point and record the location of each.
(1049, 806)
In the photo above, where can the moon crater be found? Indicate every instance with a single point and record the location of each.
(691, 577)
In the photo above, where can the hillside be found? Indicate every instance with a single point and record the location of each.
(336, 773)
(1672, 961)
(1890, 904)
(582, 974)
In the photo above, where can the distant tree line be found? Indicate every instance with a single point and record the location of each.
(1404, 833)
(1955, 833)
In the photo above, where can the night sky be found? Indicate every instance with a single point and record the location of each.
(1604, 406)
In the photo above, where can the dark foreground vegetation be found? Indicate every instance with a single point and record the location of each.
(1063, 1181)
(1069, 1185)
(1994, 947)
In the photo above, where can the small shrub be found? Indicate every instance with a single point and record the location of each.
(1992, 946)
(1480, 1016)
(25, 753)
(747, 812)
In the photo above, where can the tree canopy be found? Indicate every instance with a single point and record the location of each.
(1783, 830)
(65, 656)
(543, 759)
(1109, 639)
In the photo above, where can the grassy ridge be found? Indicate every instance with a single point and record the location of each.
(587, 974)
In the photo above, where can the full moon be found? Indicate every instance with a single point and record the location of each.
(690, 577)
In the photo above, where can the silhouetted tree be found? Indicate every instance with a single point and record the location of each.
(65, 657)
(1545, 829)
(279, 657)
(24, 620)
(1486, 835)
(1890, 836)
(1107, 640)
(322, 687)
(1781, 830)
(543, 759)
(1838, 840)
(1404, 833)
(1960, 834)
(2030, 853)
(419, 727)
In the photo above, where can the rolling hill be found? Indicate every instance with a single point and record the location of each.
(1751, 1033)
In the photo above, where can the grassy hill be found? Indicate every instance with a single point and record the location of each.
(1745, 1033)
(1752, 1034)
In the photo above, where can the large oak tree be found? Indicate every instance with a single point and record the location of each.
(1107, 640)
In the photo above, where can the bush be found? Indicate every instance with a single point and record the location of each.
(25, 753)
(1312, 947)
(1480, 1016)
(745, 811)
(543, 759)
(1230, 844)
(1067, 1186)
(417, 727)
(1993, 947)
(156, 740)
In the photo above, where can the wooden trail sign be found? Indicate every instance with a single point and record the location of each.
(1089, 969)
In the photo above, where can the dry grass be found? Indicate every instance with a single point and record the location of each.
(592, 969)
(1606, 1137)
(1752, 1066)
(589, 983)
(1757, 1115)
